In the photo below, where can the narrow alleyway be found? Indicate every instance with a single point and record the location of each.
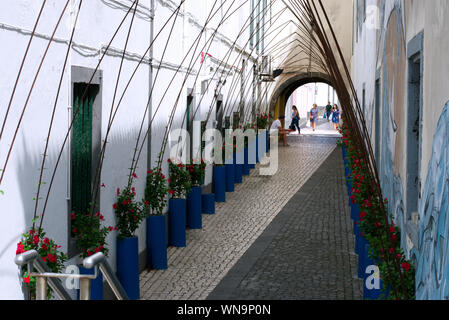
(283, 237)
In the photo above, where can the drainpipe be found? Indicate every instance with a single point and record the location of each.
(150, 86)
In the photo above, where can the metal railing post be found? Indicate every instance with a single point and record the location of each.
(41, 288)
(85, 289)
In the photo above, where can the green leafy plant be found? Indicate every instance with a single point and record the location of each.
(180, 183)
(89, 233)
(197, 173)
(155, 192)
(129, 212)
(262, 121)
(35, 239)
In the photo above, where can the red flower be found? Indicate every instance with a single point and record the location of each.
(125, 202)
(168, 160)
(36, 240)
(134, 176)
(406, 266)
(44, 247)
(147, 203)
(72, 216)
(172, 192)
(26, 279)
(135, 218)
(103, 185)
(118, 191)
(149, 172)
(31, 232)
(44, 259)
(392, 229)
(362, 214)
(20, 248)
(114, 205)
(74, 230)
(391, 250)
(111, 228)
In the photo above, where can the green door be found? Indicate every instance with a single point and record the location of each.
(82, 147)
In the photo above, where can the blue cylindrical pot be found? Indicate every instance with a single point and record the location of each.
(177, 222)
(194, 212)
(257, 147)
(208, 203)
(245, 169)
(128, 266)
(267, 136)
(229, 177)
(96, 285)
(157, 242)
(219, 181)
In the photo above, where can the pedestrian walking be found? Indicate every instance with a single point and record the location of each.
(336, 117)
(329, 111)
(295, 120)
(314, 116)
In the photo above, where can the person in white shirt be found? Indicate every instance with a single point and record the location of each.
(277, 125)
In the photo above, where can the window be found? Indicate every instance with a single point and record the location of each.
(414, 125)
(85, 144)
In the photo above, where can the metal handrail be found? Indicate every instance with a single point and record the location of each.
(99, 259)
(30, 258)
(44, 276)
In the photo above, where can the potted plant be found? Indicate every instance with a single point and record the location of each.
(129, 215)
(155, 201)
(179, 187)
(90, 236)
(194, 210)
(35, 239)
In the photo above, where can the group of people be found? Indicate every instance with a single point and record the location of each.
(332, 113)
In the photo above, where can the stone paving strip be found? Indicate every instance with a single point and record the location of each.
(307, 252)
(193, 272)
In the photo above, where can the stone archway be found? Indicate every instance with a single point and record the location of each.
(287, 86)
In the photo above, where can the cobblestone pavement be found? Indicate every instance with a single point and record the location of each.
(307, 252)
(195, 271)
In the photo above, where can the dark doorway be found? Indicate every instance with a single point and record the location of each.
(377, 124)
(414, 134)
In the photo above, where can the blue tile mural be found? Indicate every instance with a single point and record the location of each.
(432, 275)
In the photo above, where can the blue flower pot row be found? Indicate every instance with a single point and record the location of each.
(362, 248)
(182, 212)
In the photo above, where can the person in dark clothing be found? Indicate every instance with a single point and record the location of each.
(295, 120)
(329, 111)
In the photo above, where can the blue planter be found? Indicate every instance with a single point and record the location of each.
(96, 285)
(157, 242)
(208, 203)
(238, 166)
(128, 266)
(194, 212)
(257, 148)
(177, 222)
(267, 136)
(245, 168)
(219, 183)
(229, 177)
